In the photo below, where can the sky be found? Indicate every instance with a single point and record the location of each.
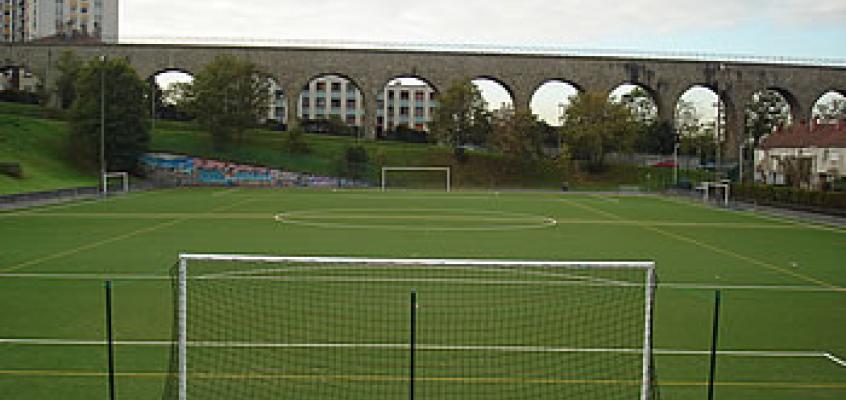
(811, 29)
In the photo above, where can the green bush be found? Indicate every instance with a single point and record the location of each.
(12, 169)
(296, 143)
(778, 195)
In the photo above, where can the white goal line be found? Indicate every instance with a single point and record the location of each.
(431, 347)
(417, 261)
(667, 285)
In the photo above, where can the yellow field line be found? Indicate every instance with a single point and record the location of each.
(113, 239)
(89, 246)
(783, 220)
(716, 249)
(398, 378)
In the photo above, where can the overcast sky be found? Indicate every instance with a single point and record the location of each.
(797, 28)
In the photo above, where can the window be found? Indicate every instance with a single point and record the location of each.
(419, 110)
(350, 103)
(404, 95)
(336, 103)
(403, 110)
(320, 86)
(336, 86)
(419, 96)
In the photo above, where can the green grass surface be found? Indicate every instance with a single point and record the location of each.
(40, 146)
(782, 281)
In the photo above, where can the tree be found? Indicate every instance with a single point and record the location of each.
(68, 66)
(127, 132)
(228, 97)
(830, 112)
(518, 135)
(595, 126)
(461, 117)
(353, 163)
(641, 105)
(655, 138)
(767, 111)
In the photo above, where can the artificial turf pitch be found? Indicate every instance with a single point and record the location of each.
(784, 302)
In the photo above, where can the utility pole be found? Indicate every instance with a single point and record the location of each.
(103, 125)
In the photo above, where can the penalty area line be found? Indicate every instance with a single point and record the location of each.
(429, 347)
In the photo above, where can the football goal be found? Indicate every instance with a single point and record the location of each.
(429, 178)
(265, 327)
(115, 182)
(715, 191)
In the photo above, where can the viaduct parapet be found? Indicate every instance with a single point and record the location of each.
(521, 74)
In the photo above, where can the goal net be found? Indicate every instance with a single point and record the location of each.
(115, 182)
(425, 178)
(262, 327)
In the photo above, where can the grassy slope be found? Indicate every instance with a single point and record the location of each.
(29, 138)
(39, 145)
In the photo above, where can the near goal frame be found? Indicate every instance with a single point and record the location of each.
(182, 286)
(447, 171)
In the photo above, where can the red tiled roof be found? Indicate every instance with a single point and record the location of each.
(804, 136)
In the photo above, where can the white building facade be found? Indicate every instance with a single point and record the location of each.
(410, 105)
(816, 154)
(28, 20)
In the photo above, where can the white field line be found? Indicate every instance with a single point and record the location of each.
(835, 359)
(427, 347)
(388, 346)
(692, 286)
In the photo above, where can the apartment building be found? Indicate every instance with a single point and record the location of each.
(28, 20)
(401, 104)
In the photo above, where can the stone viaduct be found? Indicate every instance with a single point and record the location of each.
(520, 74)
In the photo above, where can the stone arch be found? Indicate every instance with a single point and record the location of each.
(543, 109)
(829, 95)
(160, 107)
(642, 111)
(509, 90)
(318, 98)
(415, 112)
(797, 112)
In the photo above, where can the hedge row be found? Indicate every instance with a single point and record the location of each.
(779, 195)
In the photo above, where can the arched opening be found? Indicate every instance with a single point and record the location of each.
(497, 96)
(405, 109)
(766, 111)
(830, 108)
(18, 84)
(550, 101)
(331, 104)
(638, 99)
(167, 102)
(700, 124)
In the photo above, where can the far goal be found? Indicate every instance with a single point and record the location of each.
(271, 327)
(115, 182)
(423, 178)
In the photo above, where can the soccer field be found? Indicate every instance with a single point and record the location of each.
(784, 303)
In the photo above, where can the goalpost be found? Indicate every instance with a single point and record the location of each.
(447, 173)
(716, 188)
(249, 326)
(124, 181)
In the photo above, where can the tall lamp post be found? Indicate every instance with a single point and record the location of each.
(102, 125)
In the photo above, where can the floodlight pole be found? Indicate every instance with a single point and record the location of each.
(102, 125)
